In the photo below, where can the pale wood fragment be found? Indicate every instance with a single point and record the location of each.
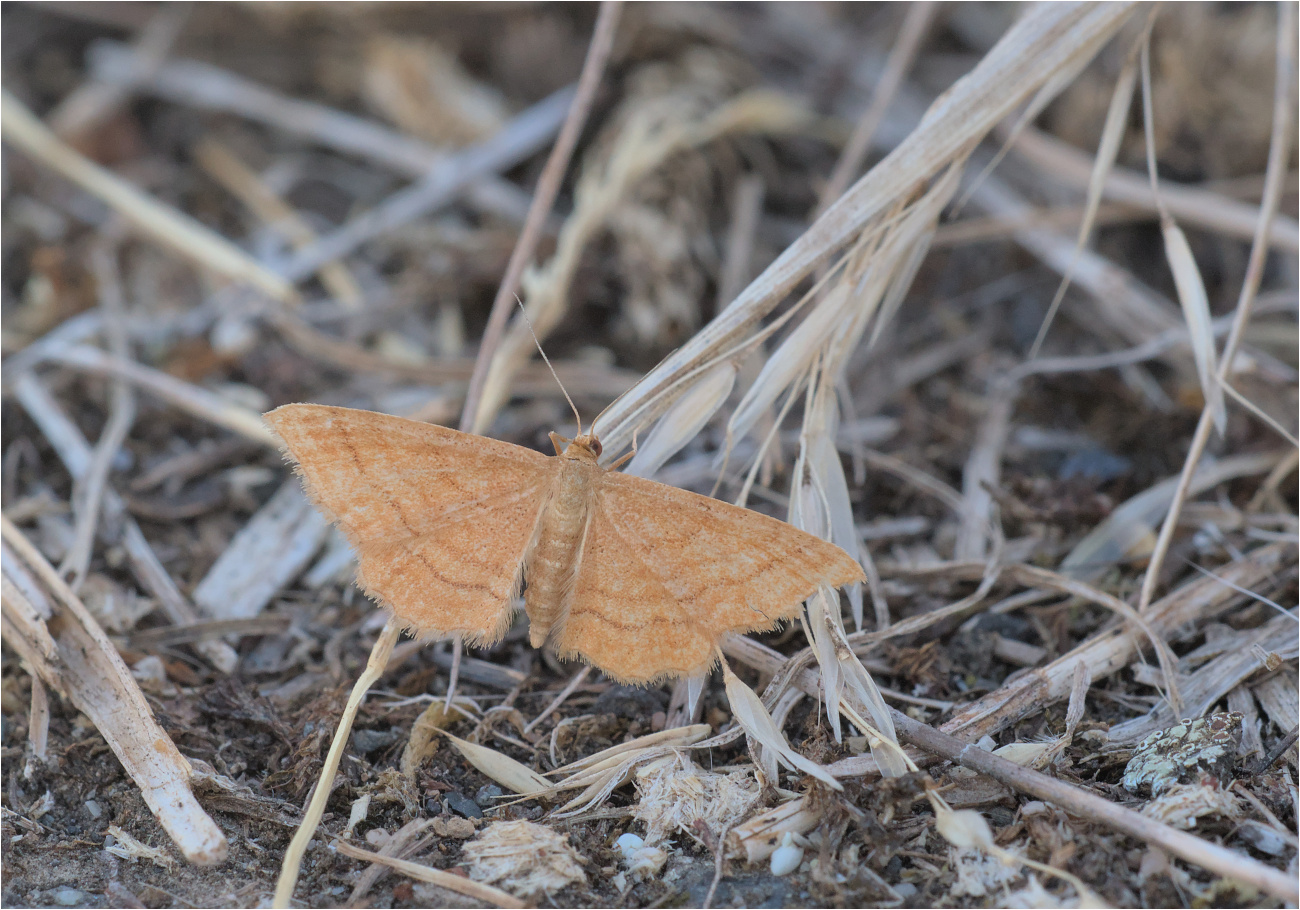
(1111, 650)
(78, 660)
(1279, 696)
(268, 553)
(1215, 680)
(75, 453)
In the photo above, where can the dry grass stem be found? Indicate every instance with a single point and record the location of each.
(311, 816)
(207, 87)
(38, 736)
(746, 212)
(1198, 600)
(455, 883)
(197, 401)
(655, 128)
(1129, 308)
(223, 165)
(1111, 135)
(403, 843)
(577, 680)
(1216, 679)
(548, 185)
(446, 180)
(121, 416)
(916, 23)
(1082, 803)
(76, 455)
(93, 102)
(163, 224)
(1191, 205)
(1127, 532)
(1028, 55)
(1277, 165)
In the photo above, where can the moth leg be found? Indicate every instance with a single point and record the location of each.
(559, 442)
(628, 457)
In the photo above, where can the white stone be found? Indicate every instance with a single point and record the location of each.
(787, 857)
(629, 843)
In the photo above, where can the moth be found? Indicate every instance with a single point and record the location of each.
(640, 579)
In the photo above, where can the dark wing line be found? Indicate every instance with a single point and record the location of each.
(410, 545)
(364, 473)
(720, 511)
(772, 558)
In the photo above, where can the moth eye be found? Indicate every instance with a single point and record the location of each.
(597, 447)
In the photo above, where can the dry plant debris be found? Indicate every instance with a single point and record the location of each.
(674, 795)
(524, 858)
(891, 273)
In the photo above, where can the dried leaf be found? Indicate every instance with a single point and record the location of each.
(1196, 310)
(684, 419)
(750, 714)
(501, 768)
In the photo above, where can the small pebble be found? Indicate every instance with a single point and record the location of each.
(367, 741)
(119, 895)
(68, 897)
(1095, 464)
(787, 857)
(462, 805)
(488, 796)
(459, 828)
(629, 843)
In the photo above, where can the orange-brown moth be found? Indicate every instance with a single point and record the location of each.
(639, 578)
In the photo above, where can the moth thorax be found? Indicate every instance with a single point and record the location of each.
(552, 564)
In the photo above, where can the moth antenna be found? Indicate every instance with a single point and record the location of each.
(528, 322)
(607, 407)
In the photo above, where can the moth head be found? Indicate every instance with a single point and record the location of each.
(585, 446)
